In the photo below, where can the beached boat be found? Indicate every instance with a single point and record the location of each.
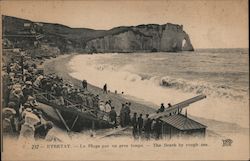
(72, 116)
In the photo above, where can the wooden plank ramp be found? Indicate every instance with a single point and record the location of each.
(177, 107)
(113, 132)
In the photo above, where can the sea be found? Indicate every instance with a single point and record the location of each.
(164, 77)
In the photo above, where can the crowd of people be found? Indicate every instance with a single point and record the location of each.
(21, 78)
(142, 126)
(145, 127)
(22, 117)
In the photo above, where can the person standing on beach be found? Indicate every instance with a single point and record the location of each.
(134, 123)
(105, 88)
(140, 124)
(157, 129)
(122, 116)
(84, 84)
(147, 126)
(127, 113)
(112, 116)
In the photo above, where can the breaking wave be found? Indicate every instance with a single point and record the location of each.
(223, 103)
(199, 87)
(123, 77)
(195, 87)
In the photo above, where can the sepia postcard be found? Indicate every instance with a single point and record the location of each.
(124, 80)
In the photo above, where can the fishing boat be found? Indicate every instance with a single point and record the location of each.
(72, 116)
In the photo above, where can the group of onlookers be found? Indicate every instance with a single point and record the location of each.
(125, 114)
(144, 127)
(22, 117)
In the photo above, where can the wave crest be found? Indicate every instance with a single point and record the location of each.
(200, 87)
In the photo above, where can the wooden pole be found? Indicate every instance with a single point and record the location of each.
(162, 130)
(170, 132)
(74, 122)
(61, 118)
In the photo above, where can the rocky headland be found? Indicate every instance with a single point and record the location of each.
(21, 33)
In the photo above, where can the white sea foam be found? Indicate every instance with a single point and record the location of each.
(219, 105)
(201, 87)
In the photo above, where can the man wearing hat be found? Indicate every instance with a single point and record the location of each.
(38, 81)
(31, 101)
(147, 126)
(112, 116)
(28, 128)
(127, 113)
(134, 122)
(95, 100)
(122, 115)
(16, 97)
(12, 76)
(27, 90)
(11, 105)
(8, 125)
(28, 77)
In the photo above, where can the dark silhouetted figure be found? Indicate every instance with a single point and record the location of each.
(127, 113)
(162, 108)
(140, 124)
(134, 125)
(112, 116)
(122, 116)
(157, 128)
(27, 90)
(147, 126)
(105, 88)
(84, 84)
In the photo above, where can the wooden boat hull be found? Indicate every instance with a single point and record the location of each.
(71, 117)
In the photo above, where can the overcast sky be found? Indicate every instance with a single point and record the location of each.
(209, 23)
